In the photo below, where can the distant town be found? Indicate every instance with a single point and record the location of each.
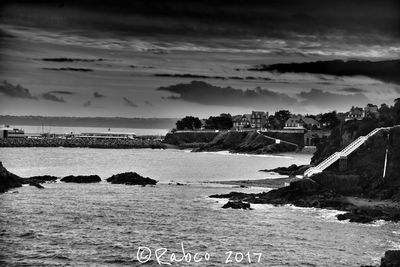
(313, 128)
(302, 130)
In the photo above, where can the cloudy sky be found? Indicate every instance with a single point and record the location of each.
(173, 58)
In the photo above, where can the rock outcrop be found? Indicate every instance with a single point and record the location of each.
(40, 179)
(291, 171)
(81, 179)
(8, 180)
(310, 192)
(37, 185)
(131, 178)
(391, 259)
(237, 205)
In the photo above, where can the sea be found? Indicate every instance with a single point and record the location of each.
(104, 224)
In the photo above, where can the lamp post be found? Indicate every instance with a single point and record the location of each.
(386, 156)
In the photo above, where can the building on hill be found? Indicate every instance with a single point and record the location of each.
(237, 121)
(258, 119)
(355, 113)
(241, 121)
(300, 122)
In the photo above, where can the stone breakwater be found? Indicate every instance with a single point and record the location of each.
(79, 142)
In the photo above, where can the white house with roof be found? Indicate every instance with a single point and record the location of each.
(299, 122)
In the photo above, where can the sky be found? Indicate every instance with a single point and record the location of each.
(176, 58)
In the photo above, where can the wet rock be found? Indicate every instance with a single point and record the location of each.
(37, 185)
(81, 179)
(41, 179)
(358, 218)
(292, 170)
(8, 180)
(131, 178)
(363, 215)
(391, 259)
(231, 195)
(237, 205)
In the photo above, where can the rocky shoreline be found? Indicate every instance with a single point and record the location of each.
(10, 181)
(315, 192)
(80, 142)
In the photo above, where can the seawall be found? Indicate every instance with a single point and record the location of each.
(79, 142)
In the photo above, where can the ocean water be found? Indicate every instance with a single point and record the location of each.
(107, 225)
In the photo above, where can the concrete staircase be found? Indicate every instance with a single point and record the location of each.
(337, 155)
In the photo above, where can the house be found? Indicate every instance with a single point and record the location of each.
(300, 122)
(237, 121)
(371, 111)
(241, 121)
(258, 119)
(355, 113)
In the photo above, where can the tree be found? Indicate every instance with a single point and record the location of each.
(329, 120)
(273, 123)
(219, 123)
(282, 116)
(188, 123)
(397, 110)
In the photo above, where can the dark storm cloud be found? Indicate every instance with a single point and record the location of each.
(98, 95)
(328, 100)
(353, 90)
(51, 97)
(385, 70)
(207, 94)
(15, 90)
(62, 92)
(129, 103)
(360, 18)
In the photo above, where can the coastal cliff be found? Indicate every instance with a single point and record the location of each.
(368, 161)
(189, 139)
(235, 142)
(359, 189)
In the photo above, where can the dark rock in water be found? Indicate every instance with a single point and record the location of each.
(292, 170)
(81, 179)
(236, 205)
(41, 179)
(36, 185)
(8, 180)
(363, 215)
(231, 195)
(355, 218)
(391, 259)
(131, 178)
